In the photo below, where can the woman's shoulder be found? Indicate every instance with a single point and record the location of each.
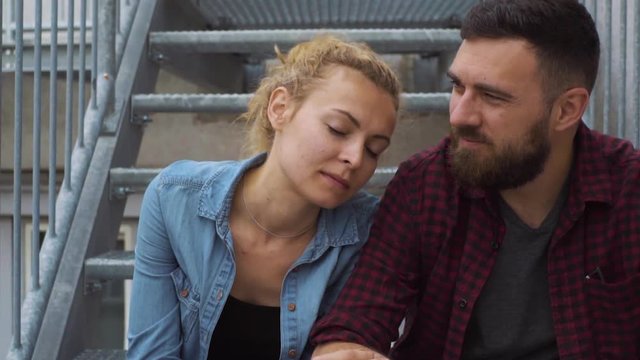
(194, 174)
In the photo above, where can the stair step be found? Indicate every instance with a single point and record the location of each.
(124, 181)
(102, 354)
(237, 103)
(263, 41)
(109, 266)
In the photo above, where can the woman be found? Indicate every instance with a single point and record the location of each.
(235, 260)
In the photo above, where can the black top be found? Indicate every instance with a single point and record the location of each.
(246, 331)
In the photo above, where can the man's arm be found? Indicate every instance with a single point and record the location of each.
(386, 279)
(345, 351)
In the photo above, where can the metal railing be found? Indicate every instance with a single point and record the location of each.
(27, 316)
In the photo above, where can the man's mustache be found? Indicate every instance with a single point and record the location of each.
(469, 133)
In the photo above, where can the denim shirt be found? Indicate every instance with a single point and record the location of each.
(185, 268)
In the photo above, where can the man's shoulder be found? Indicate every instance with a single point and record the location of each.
(433, 160)
(617, 152)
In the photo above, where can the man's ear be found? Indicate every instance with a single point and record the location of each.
(570, 106)
(278, 105)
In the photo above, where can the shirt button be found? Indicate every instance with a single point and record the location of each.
(184, 293)
(292, 353)
(291, 307)
(219, 295)
(462, 303)
(495, 245)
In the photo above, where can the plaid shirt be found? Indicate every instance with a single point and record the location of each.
(433, 245)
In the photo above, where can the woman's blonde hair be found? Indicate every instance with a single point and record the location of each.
(297, 72)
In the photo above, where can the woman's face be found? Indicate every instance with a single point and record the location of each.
(329, 148)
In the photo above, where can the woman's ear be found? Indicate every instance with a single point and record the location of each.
(278, 104)
(570, 105)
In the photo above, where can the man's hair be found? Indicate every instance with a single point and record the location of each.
(562, 33)
(299, 71)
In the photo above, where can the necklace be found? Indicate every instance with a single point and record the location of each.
(264, 228)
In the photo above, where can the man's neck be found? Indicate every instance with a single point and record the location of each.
(533, 201)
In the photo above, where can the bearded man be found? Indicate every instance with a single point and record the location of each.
(518, 236)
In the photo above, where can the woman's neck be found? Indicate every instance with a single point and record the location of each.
(273, 205)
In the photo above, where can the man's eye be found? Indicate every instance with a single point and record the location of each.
(492, 97)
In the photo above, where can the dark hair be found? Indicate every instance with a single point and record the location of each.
(562, 32)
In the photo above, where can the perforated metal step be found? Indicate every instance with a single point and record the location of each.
(101, 354)
(112, 265)
(124, 181)
(262, 41)
(237, 103)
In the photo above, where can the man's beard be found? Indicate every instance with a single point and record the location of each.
(507, 167)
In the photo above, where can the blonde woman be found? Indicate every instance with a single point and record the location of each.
(236, 259)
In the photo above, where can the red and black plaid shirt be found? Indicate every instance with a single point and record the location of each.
(433, 245)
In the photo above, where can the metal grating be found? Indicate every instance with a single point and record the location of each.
(269, 14)
(262, 41)
(101, 354)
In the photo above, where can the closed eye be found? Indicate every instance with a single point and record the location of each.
(336, 132)
(372, 153)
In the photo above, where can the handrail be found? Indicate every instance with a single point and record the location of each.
(27, 318)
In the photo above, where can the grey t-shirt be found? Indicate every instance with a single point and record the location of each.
(512, 317)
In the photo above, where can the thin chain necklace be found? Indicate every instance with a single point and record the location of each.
(264, 228)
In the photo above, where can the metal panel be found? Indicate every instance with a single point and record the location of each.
(615, 102)
(269, 14)
(263, 41)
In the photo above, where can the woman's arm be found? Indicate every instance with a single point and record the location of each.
(154, 319)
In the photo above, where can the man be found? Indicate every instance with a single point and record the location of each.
(518, 236)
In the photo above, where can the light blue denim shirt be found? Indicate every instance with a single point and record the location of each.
(185, 268)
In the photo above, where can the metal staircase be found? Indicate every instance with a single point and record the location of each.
(213, 46)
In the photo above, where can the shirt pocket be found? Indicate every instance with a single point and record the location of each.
(189, 299)
(615, 317)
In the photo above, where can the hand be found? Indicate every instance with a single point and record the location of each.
(350, 354)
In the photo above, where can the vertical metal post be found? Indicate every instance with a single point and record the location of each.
(37, 127)
(107, 60)
(69, 99)
(53, 117)
(591, 113)
(635, 93)
(94, 54)
(1, 38)
(622, 78)
(82, 70)
(606, 83)
(17, 181)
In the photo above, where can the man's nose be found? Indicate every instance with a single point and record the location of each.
(464, 110)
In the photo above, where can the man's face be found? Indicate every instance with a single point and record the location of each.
(499, 117)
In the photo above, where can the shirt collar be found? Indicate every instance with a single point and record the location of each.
(336, 227)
